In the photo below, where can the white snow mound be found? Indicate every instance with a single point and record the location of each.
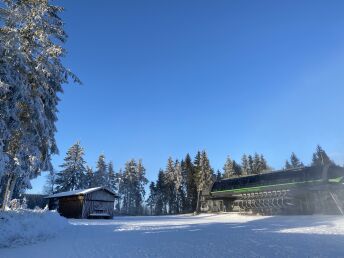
(21, 227)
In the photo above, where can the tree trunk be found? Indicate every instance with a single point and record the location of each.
(198, 200)
(11, 181)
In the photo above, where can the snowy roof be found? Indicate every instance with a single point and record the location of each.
(80, 192)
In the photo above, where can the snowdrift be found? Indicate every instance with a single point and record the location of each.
(21, 227)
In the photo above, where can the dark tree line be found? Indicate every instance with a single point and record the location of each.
(178, 186)
(319, 158)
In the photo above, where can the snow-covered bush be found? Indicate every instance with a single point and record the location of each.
(20, 227)
(15, 204)
(23, 205)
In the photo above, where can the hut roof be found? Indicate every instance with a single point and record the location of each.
(80, 192)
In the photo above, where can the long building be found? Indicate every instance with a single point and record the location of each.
(305, 190)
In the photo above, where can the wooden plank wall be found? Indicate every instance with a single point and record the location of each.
(101, 199)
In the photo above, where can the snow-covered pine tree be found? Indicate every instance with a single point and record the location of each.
(132, 187)
(191, 188)
(237, 168)
(170, 181)
(257, 164)
(31, 76)
(50, 183)
(203, 176)
(72, 175)
(151, 201)
(111, 178)
(119, 179)
(244, 165)
(21, 185)
(228, 168)
(250, 170)
(180, 193)
(185, 201)
(100, 175)
(161, 194)
(141, 183)
(89, 178)
(126, 189)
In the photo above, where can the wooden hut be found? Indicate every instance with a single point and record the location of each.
(95, 202)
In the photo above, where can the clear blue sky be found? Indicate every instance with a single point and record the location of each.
(163, 78)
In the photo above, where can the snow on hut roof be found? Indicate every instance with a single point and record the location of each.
(79, 192)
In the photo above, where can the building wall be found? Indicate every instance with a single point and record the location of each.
(101, 195)
(71, 206)
(93, 208)
(82, 206)
(98, 202)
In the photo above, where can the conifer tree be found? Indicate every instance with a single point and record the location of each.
(132, 187)
(320, 157)
(119, 180)
(197, 159)
(287, 165)
(89, 179)
(179, 183)
(100, 175)
(170, 180)
(264, 165)
(250, 170)
(219, 175)
(231, 168)
(294, 161)
(161, 194)
(73, 170)
(50, 183)
(237, 168)
(152, 200)
(31, 77)
(191, 187)
(244, 165)
(257, 165)
(228, 168)
(111, 178)
(142, 181)
(204, 175)
(127, 187)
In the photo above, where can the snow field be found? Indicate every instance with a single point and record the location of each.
(206, 235)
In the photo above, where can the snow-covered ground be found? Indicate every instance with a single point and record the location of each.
(210, 235)
(21, 227)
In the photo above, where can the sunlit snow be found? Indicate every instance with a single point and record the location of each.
(207, 235)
